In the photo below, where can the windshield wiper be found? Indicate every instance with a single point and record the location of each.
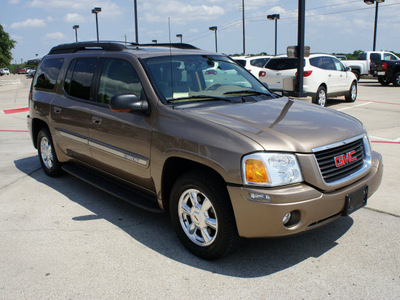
(200, 98)
(247, 92)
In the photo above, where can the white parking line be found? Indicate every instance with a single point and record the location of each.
(362, 104)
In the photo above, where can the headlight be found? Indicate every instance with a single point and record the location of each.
(271, 169)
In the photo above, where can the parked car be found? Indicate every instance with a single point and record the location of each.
(226, 160)
(324, 76)
(387, 71)
(362, 66)
(4, 71)
(341, 56)
(19, 71)
(252, 63)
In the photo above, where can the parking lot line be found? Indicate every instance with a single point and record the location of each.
(381, 102)
(340, 109)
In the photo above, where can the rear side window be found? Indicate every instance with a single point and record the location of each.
(79, 77)
(282, 64)
(241, 62)
(47, 73)
(323, 62)
(259, 62)
(118, 77)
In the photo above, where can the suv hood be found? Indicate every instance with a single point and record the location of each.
(285, 125)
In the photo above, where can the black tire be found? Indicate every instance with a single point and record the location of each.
(47, 155)
(357, 73)
(383, 80)
(207, 229)
(351, 95)
(396, 79)
(320, 98)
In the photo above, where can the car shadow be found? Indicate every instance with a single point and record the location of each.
(258, 257)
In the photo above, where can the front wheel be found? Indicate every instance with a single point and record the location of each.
(351, 95)
(320, 97)
(396, 79)
(202, 216)
(47, 156)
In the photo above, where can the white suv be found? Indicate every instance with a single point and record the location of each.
(253, 64)
(324, 76)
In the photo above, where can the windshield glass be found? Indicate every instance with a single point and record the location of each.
(200, 76)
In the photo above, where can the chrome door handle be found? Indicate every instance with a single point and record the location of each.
(96, 120)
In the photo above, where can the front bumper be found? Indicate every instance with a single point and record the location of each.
(314, 207)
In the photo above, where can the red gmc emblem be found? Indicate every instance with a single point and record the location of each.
(344, 159)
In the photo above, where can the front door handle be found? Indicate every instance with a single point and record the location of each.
(96, 120)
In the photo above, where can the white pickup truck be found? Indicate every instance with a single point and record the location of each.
(361, 66)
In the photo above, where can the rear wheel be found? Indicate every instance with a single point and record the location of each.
(320, 97)
(383, 80)
(351, 95)
(47, 155)
(396, 79)
(202, 216)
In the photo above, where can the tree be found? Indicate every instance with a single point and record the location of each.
(6, 45)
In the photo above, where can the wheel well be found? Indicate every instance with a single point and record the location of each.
(175, 167)
(37, 125)
(325, 86)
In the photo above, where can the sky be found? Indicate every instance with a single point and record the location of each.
(332, 26)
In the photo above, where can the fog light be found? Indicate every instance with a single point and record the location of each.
(286, 218)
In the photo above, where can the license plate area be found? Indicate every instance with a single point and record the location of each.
(355, 200)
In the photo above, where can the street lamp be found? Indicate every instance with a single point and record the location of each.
(369, 2)
(179, 36)
(276, 18)
(214, 28)
(76, 32)
(154, 41)
(95, 11)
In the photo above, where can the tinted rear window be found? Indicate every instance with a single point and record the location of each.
(259, 62)
(282, 64)
(48, 73)
(241, 62)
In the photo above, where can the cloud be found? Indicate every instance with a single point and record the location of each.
(29, 23)
(74, 18)
(13, 1)
(54, 36)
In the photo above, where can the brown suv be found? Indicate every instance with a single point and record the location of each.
(174, 128)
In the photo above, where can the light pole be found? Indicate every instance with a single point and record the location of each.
(179, 36)
(136, 23)
(244, 30)
(369, 2)
(276, 18)
(214, 28)
(95, 11)
(76, 32)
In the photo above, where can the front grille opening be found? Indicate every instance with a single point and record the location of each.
(342, 161)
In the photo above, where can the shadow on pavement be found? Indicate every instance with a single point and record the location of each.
(258, 257)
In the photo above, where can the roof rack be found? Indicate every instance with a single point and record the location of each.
(74, 47)
(172, 45)
(111, 46)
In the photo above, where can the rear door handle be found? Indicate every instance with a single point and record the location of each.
(96, 120)
(57, 109)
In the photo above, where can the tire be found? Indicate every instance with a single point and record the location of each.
(383, 80)
(320, 97)
(351, 95)
(202, 216)
(47, 156)
(357, 73)
(396, 79)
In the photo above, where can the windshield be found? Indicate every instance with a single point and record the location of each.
(200, 77)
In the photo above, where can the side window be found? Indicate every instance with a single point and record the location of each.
(118, 77)
(375, 56)
(322, 62)
(48, 73)
(338, 65)
(79, 77)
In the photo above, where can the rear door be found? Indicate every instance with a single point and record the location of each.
(341, 77)
(120, 142)
(70, 109)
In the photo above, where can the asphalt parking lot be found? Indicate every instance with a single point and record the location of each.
(61, 238)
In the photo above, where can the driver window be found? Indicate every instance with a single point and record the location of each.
(118, 77)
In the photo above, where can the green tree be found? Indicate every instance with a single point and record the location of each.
(6, 45)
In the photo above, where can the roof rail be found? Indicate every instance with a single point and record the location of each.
(171, 45)
(74, 47)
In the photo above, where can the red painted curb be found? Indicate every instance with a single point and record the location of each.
(15, 110)
(385, 142)
(381, 102)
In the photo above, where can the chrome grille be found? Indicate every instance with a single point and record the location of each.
(326, 160)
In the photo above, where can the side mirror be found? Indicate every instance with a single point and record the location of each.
(128, 103)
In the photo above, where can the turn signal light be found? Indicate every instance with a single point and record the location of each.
(256, 171)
